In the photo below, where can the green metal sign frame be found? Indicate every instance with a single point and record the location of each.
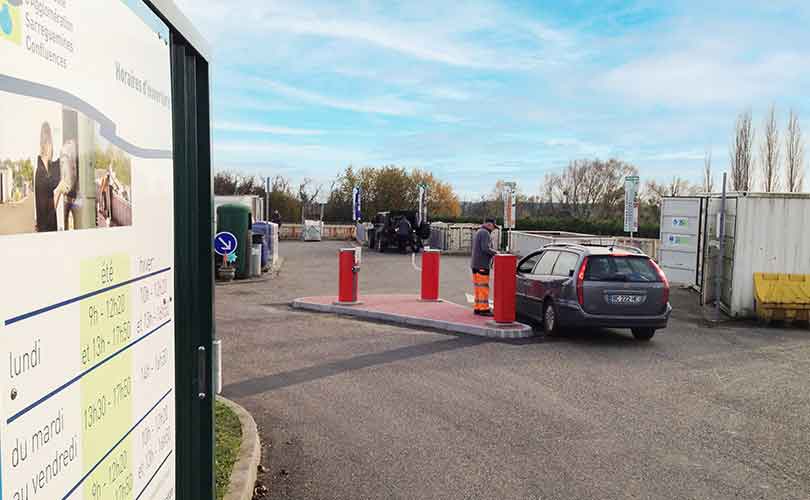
(194, 269)
(194, 273)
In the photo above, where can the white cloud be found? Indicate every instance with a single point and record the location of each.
(291, 152)
(253, 104)
(449, 34)
(448, 93)
(263, 129)
(414, 84)
(443, 118)
(675, 155)
(696, 76)
(385, 105)
(385, 36)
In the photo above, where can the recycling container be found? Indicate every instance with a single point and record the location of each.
(255, 260)
(260, 237)
(236, 219)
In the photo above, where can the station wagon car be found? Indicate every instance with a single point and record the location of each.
(569, 285)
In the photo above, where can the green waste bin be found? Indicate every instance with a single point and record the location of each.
(236, 219)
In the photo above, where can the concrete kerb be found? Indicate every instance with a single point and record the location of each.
(245, 469)
(510, 332)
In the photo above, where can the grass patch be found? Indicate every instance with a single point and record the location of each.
(228, 438)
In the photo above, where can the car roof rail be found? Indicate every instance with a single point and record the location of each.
(629, 248)
(566, 245)
(584, 246)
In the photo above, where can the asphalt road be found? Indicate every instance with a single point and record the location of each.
(357, 410)
(17, 218)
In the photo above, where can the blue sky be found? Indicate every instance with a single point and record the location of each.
(477, 91)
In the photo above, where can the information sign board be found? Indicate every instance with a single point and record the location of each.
(631, 185)
(87, 404)
(421, 214)
(357, 212)
(509, 207)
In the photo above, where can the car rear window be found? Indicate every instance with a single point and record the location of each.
(546, 263)
(566, 263)
(626, 268)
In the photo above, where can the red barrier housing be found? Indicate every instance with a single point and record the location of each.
(505, 287)
(347, 276)
(430, 275)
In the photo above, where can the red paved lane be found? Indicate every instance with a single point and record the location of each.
(407, 309)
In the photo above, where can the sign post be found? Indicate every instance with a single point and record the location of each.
(106, 318)
(631, 204)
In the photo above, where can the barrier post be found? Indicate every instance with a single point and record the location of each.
(505, 287)
(348, 277)
(430, 275)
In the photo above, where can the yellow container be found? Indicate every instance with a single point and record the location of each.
(782, 296)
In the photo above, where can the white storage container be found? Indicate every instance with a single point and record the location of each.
(312, 231)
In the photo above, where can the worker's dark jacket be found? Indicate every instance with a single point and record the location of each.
(482, 251)
(404, 228)
(45, 181)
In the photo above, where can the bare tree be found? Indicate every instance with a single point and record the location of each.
(769, 152)
(740, 153)
(794, 154)
(589, 188)
(678, 186)
(708, 176)
(225, 183)
(547, 190)
(307, 194)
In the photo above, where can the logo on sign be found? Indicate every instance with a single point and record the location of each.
(680, 222)
(11, 21)
(674, 239)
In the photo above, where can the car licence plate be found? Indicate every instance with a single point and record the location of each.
(626, 300)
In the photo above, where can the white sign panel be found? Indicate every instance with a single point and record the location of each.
(509, 208)
(421, 214)
(631, 184)
(86, 314)
(356, 204)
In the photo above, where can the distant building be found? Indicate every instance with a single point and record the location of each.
(6, 184)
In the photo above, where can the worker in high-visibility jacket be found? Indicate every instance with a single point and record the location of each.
(482, 254)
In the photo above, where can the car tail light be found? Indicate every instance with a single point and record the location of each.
(581, 281)
(664, 280)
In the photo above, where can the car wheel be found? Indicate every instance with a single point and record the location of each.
(643, 334)
(550, 326)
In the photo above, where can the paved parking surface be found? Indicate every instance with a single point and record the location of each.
(355, 410)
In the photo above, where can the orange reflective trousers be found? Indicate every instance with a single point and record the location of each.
(481, 284)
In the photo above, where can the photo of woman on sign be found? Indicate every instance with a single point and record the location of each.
(58, 172)
(46, 178)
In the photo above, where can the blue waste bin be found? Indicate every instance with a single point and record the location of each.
(263, 228)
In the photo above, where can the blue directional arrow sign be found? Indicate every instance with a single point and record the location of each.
(225, 243)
